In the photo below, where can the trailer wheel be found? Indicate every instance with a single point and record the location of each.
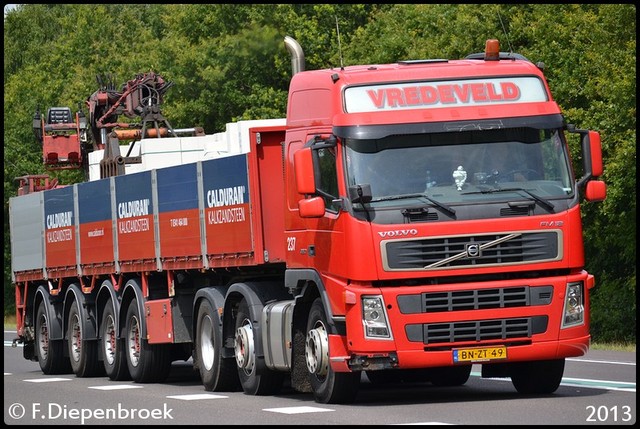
(538, 377)
(50, 353)
(147, 363)
(114, 359)
(217, 373)
(255, 377)
(329, 387)
(83, 354)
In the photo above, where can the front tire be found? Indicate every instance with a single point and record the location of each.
(392, 376)
(218, 374)
(329, 387)
(255, 377)
(50, 353)
(83, 354)
(448, 376)
(147, 363)
(538, 377)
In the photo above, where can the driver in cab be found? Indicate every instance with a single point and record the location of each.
(502, 168)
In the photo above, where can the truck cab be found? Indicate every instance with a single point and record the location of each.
(436, 203)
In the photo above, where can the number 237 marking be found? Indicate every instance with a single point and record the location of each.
(291, 244)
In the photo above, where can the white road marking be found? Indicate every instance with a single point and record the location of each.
(117, 387)
(297, 410)
(610, 362)
(197, 396)
(47, 380)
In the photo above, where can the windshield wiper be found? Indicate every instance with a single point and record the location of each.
(545, 203)
(444, 207)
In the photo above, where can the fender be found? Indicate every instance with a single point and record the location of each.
(293, 279)
(107, 292)
(132, 287)
(256, 294)
(215, 295)
(54, 312)
(84, 303)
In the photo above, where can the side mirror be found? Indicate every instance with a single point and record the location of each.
(311, 207)
(595, 148)
(303, 167)
(596, 190)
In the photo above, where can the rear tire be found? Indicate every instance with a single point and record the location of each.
(255, 377)
(83, 354)
(113, 355)
(218, 374)
(329, 387)
(50, 353)
(147, 363)
(538, 377)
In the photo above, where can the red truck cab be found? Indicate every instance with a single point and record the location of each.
(432, 256)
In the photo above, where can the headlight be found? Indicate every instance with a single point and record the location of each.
(573, 313)
(374, 318)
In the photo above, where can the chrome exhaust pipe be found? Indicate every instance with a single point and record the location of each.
(297, 55)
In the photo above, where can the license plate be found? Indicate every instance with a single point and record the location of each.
(480, 354)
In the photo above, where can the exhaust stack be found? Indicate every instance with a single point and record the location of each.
(297, 55)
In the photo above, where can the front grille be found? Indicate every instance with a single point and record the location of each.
(475, 299)
(471, 251)
(479, 330)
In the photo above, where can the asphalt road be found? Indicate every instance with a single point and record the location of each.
(597, 389)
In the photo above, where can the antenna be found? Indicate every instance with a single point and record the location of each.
(505, 32)
(339, 45)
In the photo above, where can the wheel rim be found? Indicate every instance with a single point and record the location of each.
(43, 337)
(76, 338)
(244, 347)
(207, 347)
(316, 350)
(133, 341)
(109, 340)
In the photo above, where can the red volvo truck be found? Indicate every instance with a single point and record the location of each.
(405, 221)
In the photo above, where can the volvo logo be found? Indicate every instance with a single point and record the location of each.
(473, 250)
(398, 233)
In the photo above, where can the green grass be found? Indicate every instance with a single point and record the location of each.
(618, 347)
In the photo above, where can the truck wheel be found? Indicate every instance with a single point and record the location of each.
(50, 353)
(217, 373)
(538, 377)
(147, 363)
(255, 377)
(447, 376)
(329, 387)
(114, 359)
(83, 354)
(388, 376)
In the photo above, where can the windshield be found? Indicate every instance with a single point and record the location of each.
(461, 167)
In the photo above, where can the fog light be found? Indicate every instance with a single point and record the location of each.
(573, 306)
(374, 318)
